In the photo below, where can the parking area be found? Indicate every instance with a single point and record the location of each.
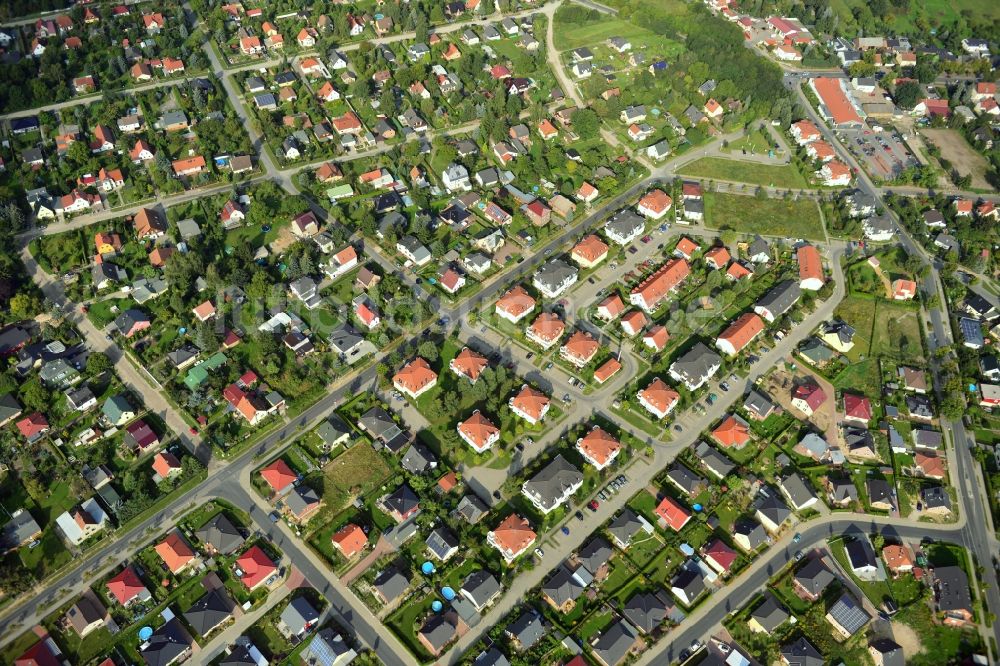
(883, 154)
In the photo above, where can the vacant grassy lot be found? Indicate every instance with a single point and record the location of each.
(897, 333)
(768, 217)
(860, 376)
(962, 156)
(355, 472)
(571, 35)
(719, 168)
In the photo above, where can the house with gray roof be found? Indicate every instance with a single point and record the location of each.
(951, 587)
(594, 556)
(562, 589)
(767, 616)
(491, 657)
(413, 250)
(685, 480)
(816, 352)
(749, 534)
(333, 431)
(298, 617)
(390, 584)
(442, 543)
(778, 300)
(210, 612)
(626, 526)
(615, 643)
(379, 424)
(696, 366)
(847, 616)
(798, 491)
(624, 227)
(553, 484)
(688, 584)
(758, 405)
(801, 653)
(886, 652)
(418, 459)
(220, 535)
(646, 611)
(936, 499)
(471, 509)
(481, 588)
(438, 631)
(526, 630)
(58, 374)
(19, 530)
(117, 410)
(717, 463)
(812, 579)
(10, 408)
(554, 277)
(842, 492)
(328, 648)
(770, 510)
(168, 645)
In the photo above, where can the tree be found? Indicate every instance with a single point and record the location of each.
(34, 395)
(586, 123)
(908, 94)
(428, 350)
(97, 363)
(25, 305)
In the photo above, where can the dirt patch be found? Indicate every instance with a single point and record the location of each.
(963, 158)
(284, 240)
(779, 385)
(907, 639)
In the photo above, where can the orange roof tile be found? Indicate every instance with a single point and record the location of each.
(516, 302)
(478, 430)
(607, 370)
(350, 540)
(660, 395)
(732, 432)
(741, 331)
(590, 249)
(174, 552)
(279, 475)
(531, 402)
(547, 327)
(673, 514)
(581, 346)
(469, 363)
(415, 375)
(599, 446)
(514, 533)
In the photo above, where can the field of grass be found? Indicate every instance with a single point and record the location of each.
(860, 376)
(355, 472)
(718, 168)
(897, 333)
(859, 312)
(570, 36)
(768, 217)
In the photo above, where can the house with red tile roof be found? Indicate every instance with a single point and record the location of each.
(656, 338)
(587, 193)
(633, 322)
(717, 257)
(810, 268)
(165, 465)
(451, 281)
(686, 248)
(530, 404)
(367, 314)
(898, 559)
(732, 433)
(658, 398)
(32, 427)
(279, 476)
(837, 104)
(469, 364)
(127, 588)
(175, 552)
(808, 397)
(610, 308)
(607, 370)
(804, 132)
(479, 432)
(546, 330)
(598, 447)
(580, 349)
(654, 204)
(835, 173)
(713, 109)
(719, 556)
(512, 537)
(651, 292)
(256, 566)
(930, 466)
(740, 333)
(515, 304)
(415, 378)
(590, 251)
(737, 271)
(903, 290)
(350, 540)
(672, 514)
(857, 408)
(547, 130)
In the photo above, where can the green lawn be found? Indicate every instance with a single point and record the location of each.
(859, 312)
(768, 217)
(860, 376)
(355, 472)
(752, 173)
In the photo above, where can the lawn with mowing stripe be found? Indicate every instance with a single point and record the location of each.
(718, 168)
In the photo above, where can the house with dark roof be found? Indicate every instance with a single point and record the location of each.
(390, 584)
(594, 557)
(847, 616)
(168, 645)
(562, 589)
(614, 643)
(298, 617)
(749, 534)
(626, 526)
(526, 630)
(481, 588)
(801, 652)
(812, 579)
(553, 484)
(951, 593)
(767, 616)
(647, 611)
(210, 612)
(688, 584)
(685, 480)
(219, 535)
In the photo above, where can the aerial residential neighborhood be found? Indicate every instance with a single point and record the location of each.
(562, 333)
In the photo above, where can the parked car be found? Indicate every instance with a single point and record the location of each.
(593, 505)
(565, 530)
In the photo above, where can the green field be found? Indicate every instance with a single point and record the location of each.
(883, 329)
(768, 217)
(353, 473)
(719, 168)
(570, 36)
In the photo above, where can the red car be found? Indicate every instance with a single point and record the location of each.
(193, 430)
(593, 505)
(646, 239)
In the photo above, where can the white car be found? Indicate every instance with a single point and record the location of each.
(540, 553)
